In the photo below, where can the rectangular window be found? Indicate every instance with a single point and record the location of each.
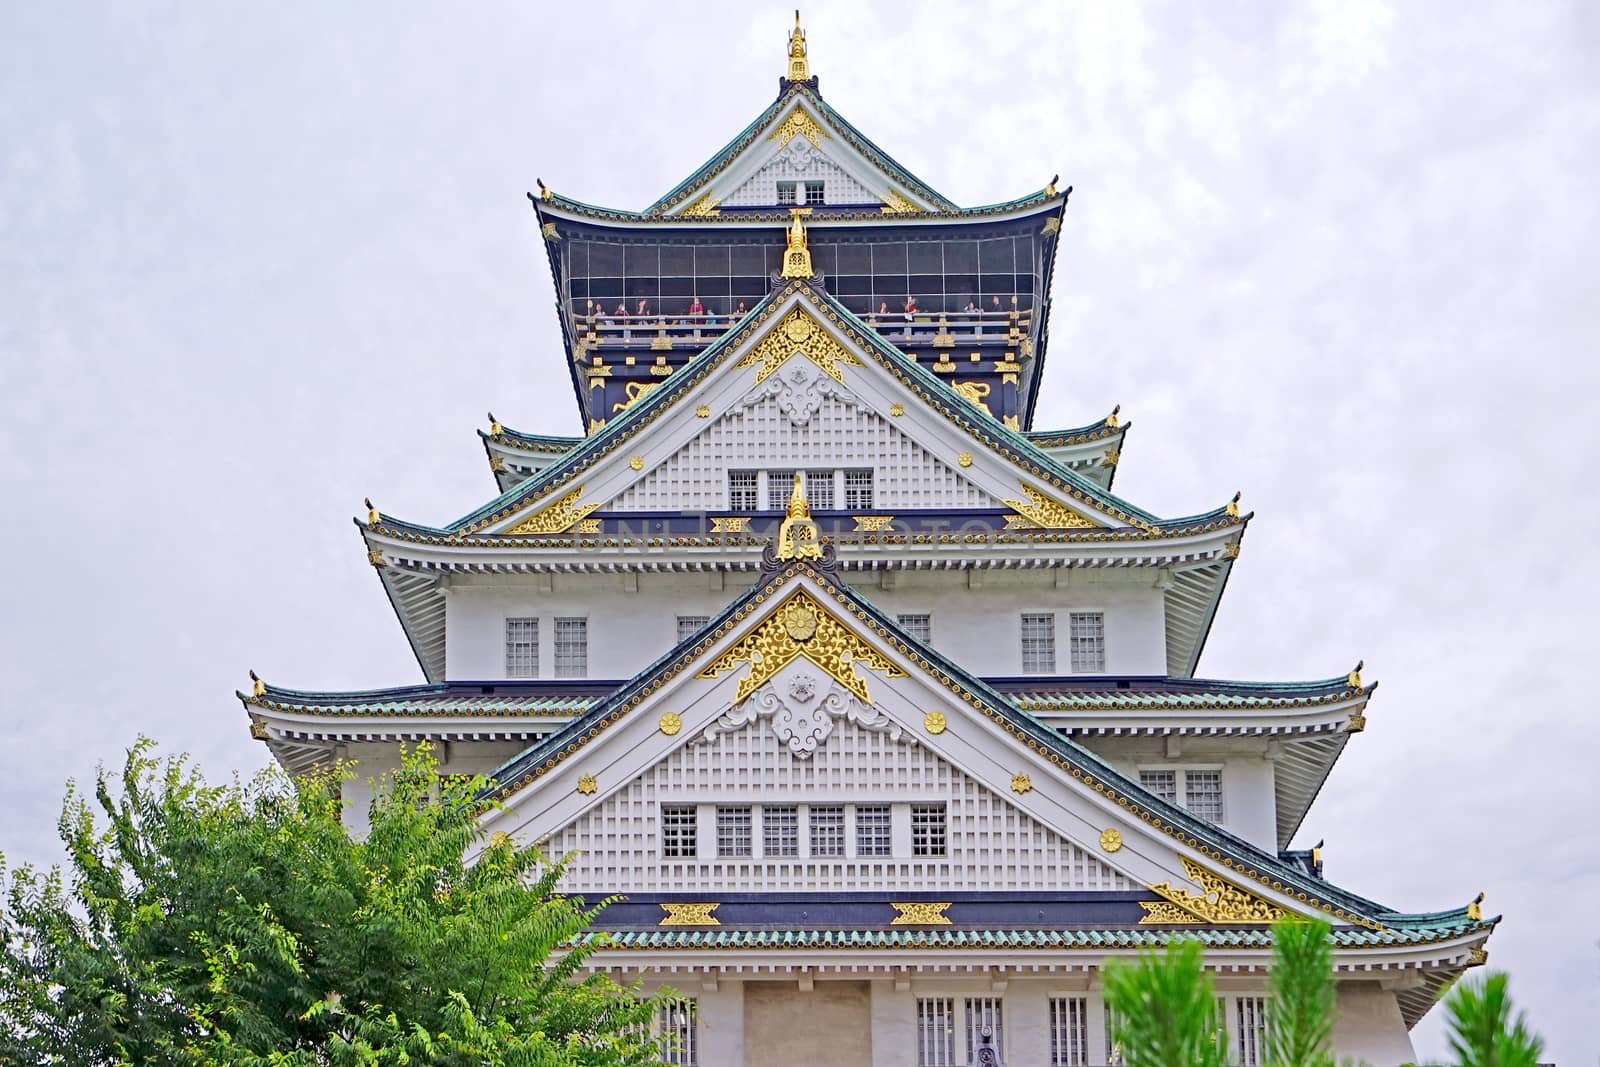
(780, 830)
(918, 626)
(827, 830)
(984, 1013)
(679, 1041)
(786, 192)
(522, 648)
(733, 831)
(1113, 1046)
(572, 648)
(743, 492)
(936, 1038)
(779, 485)
(1039, 644)
(1088, 642)
(1163, 784)
(678, 833)
(1202, 794)
(689, 625)
(819, 490)
(1250, 1033)
(1069, 1032)
(814, 192)
(927, 830)
(874, 830)
(858, 490)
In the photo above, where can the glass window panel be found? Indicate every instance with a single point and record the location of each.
(522, 648)
(641, 260)
(711, 261)
(649, 288)
(925, 257)
(677, 261)
(1039, 644)
(608, 289)
(961, 257)
(995, 256)
(606, 259)
(889, 258)
(572, 648)
(854, 258)
(748, 259)
(1088, 642)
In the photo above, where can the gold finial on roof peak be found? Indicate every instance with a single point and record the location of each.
(1353, 679)
(798, 537)
(799, 66)
(495, 429)
(1475, 909)
(1111, 419)
(372, 512)
(258, 688)
(1233, 505)
(796, 256)
(799, 506)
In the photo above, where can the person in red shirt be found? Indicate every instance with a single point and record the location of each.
(696, 308)
(911, 307)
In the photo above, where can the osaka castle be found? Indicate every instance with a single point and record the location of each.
(840, 665)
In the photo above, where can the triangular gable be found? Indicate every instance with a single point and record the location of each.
(799, 137)
(732, 673)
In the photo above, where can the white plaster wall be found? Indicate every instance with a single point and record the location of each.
(633, 620)
(1370, 1027)
(1249, 799)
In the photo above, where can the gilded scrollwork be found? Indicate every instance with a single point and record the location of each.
(920, 913)
(1040, 510)
(1219, 902)
(557, 517)
(798, 124)
(798, 333)
(684, 914)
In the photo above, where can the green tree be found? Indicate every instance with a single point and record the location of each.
(1300, 985)
(1164, 1011)
(241, 924)
(1482, 1030)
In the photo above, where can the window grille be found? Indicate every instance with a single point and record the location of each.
(874, 830)
(780, 484)
(679, 1039)
(572, 648)
(814, 192)
(780, 830)
(858, 490)
(819, 490)
(936, 1040)
(1088, 642)
(1250, 1046)
(918, 626)
(1069, 1032)
(981, 1012)
(743, 491)
(1039, 644)
(733, 830)
(1113, 1046)
(689, 625)
(1202, 794)
(678, 833)
(786, 192)
(827, 830)
(927, 830)
(522, 648)
(1163, 784)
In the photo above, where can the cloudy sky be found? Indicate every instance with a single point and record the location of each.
(257, 261)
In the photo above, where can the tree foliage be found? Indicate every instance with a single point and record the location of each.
(1483, 1032)
(1301, 991)
(1165, 1014)
(241, 924)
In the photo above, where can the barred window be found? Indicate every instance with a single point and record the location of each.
(733, 831)
(936, 1039)
(780, 830)
(927, 830)
(1202, 794)
(786, 192)
(678, 834)
(858, 490)
(1250, 1031)
(689, 625)
(874, 830)
(743, 491)
(819, 490)
(984, 1012)
(814, 192)
(572, 648)
(679, 1040)
(1113, 1046)
(1088, 642)
(1069, 1031)
(779, 485)
(1039, 644)
(1163, 784)
(918, 626)
(827, 830)
(522, 648)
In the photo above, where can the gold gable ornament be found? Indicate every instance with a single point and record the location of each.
(797, 333)
(797, 536)
(1220, 902)
(796, 256)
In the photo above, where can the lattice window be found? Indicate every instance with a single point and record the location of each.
(743, 491)
(522, 648)
(787, 192)
(1069, 1032)
(780, 484)
(936, 1032)
(1250, 1031)
(793, 165)
(1113, 1046)
(827, 829)
(819, 490)
(1039, 644)
(929, 836)
(917, 626)
(572, 648)
(982, 1012)
(733, 831)
(858, 489)
(680, 1039)
(1088, 642)
(1202, 794)
(874, 830)
(679, 835)
(1163, 784)
(780, 830)
(814, 192)
(689, 625)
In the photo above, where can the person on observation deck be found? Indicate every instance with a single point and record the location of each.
(911, 307)
(696, 309)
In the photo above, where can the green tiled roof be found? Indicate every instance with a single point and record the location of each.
(421, 701)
